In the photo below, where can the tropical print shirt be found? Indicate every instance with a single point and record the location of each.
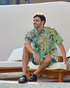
(44, 43)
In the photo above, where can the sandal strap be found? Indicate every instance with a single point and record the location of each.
(23, 76)
(34, 78)
(23, 79)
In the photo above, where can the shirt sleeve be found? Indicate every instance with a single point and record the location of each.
(28, 36)
(57, 38)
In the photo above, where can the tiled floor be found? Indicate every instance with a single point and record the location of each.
(39, 78)
(11, 81)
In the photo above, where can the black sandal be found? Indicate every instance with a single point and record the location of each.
(33, 78)
(23, 79)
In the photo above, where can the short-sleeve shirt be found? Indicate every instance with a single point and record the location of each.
(44, 43)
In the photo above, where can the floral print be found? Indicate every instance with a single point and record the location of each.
(44, 43)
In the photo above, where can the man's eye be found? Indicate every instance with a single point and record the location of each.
(36, 20)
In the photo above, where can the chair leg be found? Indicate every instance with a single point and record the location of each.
(60, 77)
(28, 74)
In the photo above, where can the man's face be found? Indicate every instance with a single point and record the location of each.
(37, 22)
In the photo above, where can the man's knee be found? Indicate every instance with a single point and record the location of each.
(48, 58)
(27, 42)
(26, 51)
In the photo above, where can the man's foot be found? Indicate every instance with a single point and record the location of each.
(33, 78)
(23, 79)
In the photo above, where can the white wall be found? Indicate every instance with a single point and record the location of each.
(15, 20)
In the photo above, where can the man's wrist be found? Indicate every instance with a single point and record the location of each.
(64, 59)
(33, 51)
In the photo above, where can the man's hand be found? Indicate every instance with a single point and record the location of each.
(36, 57)
(67, 65)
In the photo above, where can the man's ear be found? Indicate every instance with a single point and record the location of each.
(43, 22)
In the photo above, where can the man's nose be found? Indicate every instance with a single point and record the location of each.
(34, 22)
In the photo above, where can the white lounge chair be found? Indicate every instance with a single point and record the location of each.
(14, 64)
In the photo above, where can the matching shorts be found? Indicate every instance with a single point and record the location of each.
(32, 60)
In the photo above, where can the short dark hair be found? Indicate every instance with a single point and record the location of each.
(41, 16)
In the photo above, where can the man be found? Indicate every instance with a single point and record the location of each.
(40, 47)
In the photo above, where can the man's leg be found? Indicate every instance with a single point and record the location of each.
(44, 64)
(25, 60)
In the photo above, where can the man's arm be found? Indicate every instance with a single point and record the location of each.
(30, 49)
(28, 46)
(61, 47)
(62, 50)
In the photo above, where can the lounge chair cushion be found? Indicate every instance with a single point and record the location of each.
(11, 64)
(16, 55)
(58, 65)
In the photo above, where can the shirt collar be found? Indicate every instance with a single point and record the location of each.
(43, 29)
